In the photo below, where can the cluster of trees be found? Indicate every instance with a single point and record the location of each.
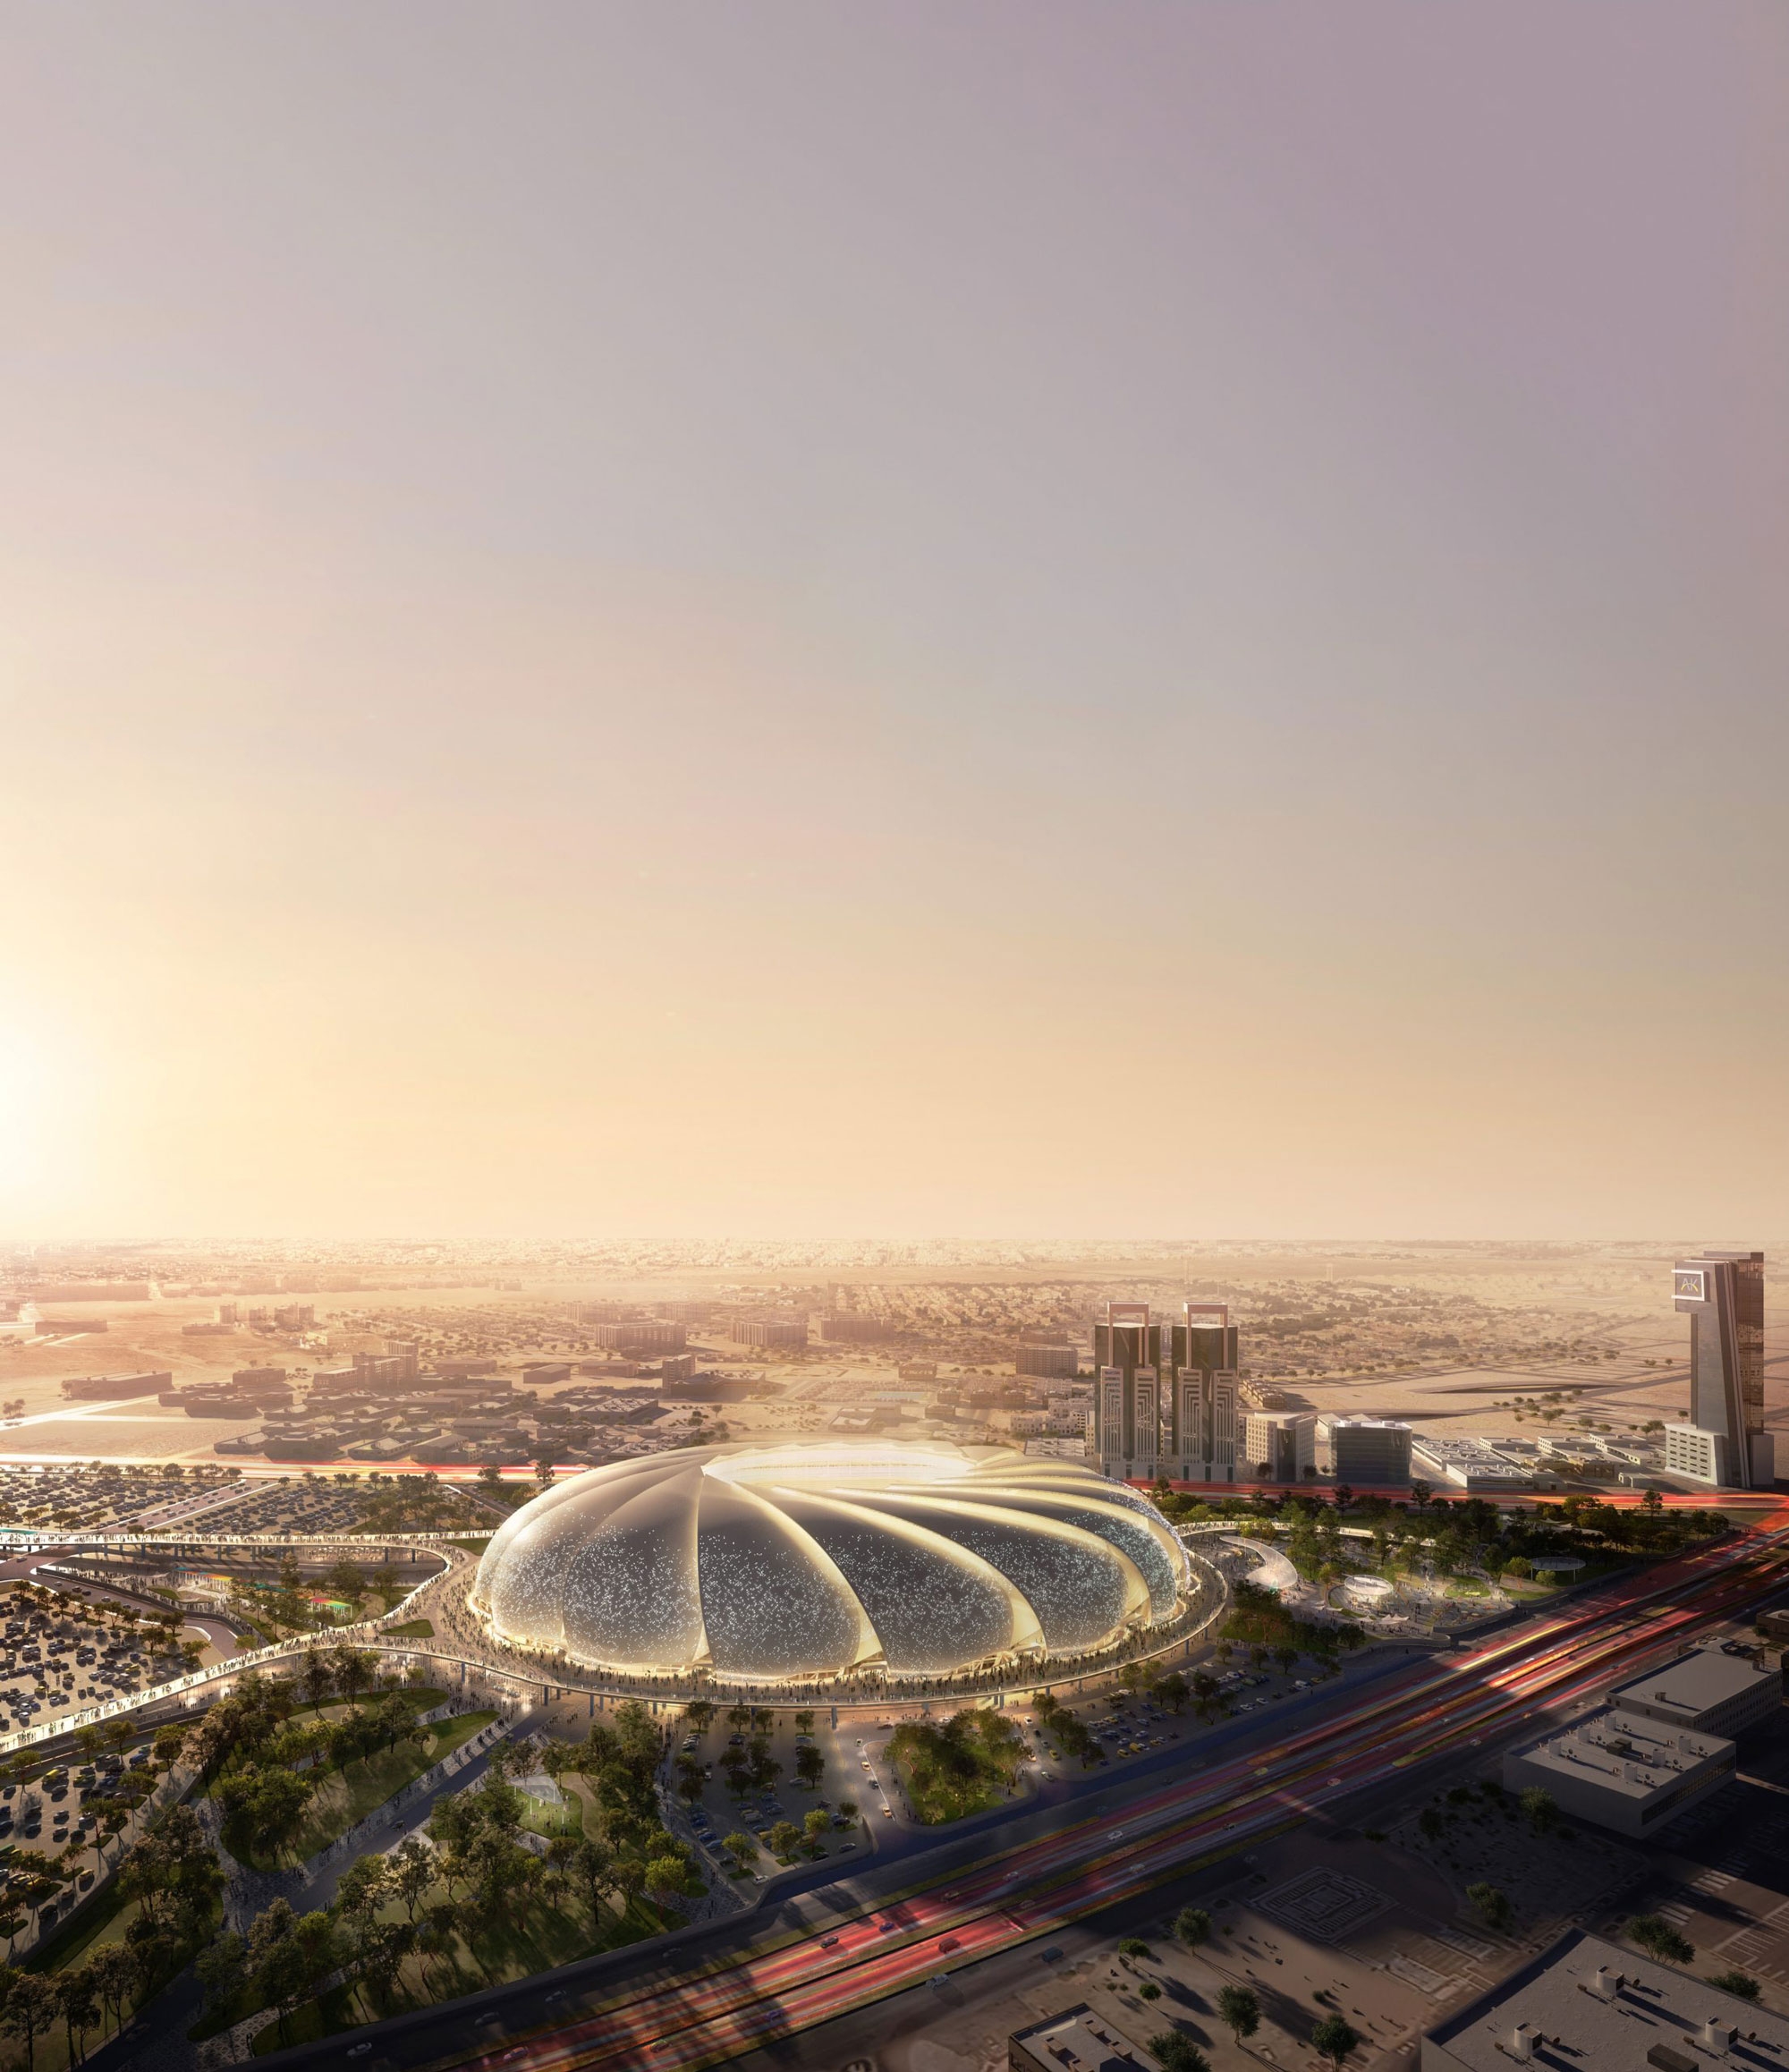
(618, 1759)
(263, 1764)
(955, 1767)
(1259, 1621)
(1459, 1537)
(1239, 2008)
(412, 1503)
(288, 1608)
(175, 1877)
(473, 1883)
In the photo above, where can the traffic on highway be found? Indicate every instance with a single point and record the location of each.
(1439, 1707)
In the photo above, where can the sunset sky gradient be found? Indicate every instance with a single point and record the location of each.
(964, 619)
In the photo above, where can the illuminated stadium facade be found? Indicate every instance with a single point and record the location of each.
(808, 1565)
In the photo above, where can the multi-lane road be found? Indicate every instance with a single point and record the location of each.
(1440, 1706)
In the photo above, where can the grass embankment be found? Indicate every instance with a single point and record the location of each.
(508, 1950)
(411, 1629)
(344, 1797)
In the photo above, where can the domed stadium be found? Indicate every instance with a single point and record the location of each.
(798, 1564)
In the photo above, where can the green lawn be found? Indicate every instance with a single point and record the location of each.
(411, 1629)
(344, 1797)
(541, 1819)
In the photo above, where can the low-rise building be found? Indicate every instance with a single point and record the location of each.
(1705, 1691)
(1698, 1456)
(115, 1388)
(1586, 2003)
(768, 1331)
(1279, 1445)
(1622, 1770)
(1471, 1464)
(641, 1335)
(1046, 1359)
(1077, 2039)
(1369, 1452)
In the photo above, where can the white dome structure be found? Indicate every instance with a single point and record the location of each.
(800, 1562)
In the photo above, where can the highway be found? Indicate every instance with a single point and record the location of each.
(1439, 1707)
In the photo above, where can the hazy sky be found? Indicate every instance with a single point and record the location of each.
(976, 619)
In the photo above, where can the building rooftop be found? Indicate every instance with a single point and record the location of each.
(1078, 2040)
(1625, 1753)
(1584, 2005)
(1694, 1681)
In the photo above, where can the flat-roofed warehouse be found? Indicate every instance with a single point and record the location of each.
(1706, 1691)
(1621, 1771)
(1585, 2004)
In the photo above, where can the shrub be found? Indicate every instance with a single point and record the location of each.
(1659, 1938)
(1741, 1983)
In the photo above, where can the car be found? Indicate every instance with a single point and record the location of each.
(358, 2050)
(829, 1942)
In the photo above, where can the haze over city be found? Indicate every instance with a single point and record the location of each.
(664, 621)
(891, 1100)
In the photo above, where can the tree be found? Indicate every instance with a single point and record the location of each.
(1239, 2010)
(742, 1849)
(114, 1975)
(543, 1474)
(363, 1887)
(1659, 1938)
(664, 1877)
(1740, 1983)
(411, 1870)
(223, 1968)
(77, 2003)
(810, 1767)
(382, 1950)
(804, 1722)
(1334, 2038)
(1538, 1807)
(593, 1864)
(491, 1476)
(1192, 1925)
(1175, 2052)
(1493, 1908)
(847, 1812)
(1173, 1692)
(31, 2011)
(785, 1838)
(814, 1824)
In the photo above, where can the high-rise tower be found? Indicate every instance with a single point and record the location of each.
(1127, 1357)
(1722, 1293)
(1200, 1391)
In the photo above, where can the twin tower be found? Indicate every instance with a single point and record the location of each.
(1164, 1394)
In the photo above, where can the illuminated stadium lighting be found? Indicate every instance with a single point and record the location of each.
(810, 1564)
